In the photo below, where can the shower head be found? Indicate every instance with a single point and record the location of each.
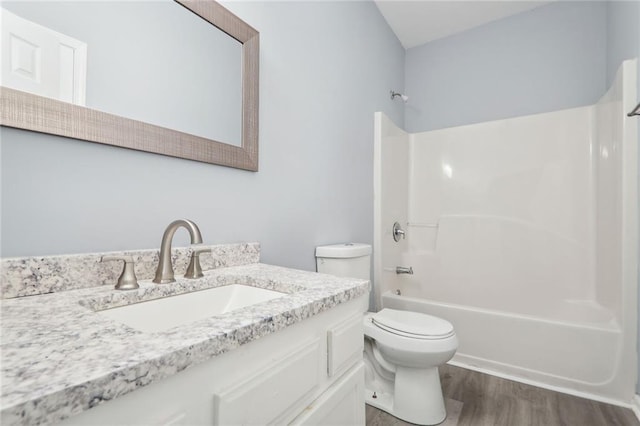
(404, 98)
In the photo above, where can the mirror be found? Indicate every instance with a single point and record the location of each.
(174, 119)
(139, 70)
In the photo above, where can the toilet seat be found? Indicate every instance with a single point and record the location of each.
(409, 349)
(413, 325)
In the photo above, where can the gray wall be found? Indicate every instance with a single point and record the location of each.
(546, 59)
(325, 68)
(623, 34)
(623, 42)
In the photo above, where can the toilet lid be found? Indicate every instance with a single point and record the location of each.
(413, 324)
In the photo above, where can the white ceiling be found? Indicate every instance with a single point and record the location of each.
(418, 22)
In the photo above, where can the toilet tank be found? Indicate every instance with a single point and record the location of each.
(351, 260)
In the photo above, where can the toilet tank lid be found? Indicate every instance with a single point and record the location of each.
(344, 250)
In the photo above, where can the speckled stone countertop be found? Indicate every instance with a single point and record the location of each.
(60, 357)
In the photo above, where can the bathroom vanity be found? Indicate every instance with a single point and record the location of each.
(296, 358)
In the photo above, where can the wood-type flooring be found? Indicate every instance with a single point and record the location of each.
(485, 400)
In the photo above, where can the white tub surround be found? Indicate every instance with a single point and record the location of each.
(391, 189)
(523, 233)
(60, 357)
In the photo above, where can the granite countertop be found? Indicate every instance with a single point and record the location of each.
(60, 357)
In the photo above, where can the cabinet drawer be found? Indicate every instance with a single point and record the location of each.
(345, 343)
(272, 391)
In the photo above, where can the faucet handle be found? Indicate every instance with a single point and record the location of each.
(127, 279)
(194, 270)
(398, 232)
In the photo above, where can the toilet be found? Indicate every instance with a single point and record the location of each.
(402, 349)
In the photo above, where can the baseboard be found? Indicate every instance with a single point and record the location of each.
(635, 406)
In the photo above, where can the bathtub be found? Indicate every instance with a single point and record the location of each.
(573, 347)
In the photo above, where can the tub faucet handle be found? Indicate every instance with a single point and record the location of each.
(398, 232)
(194, 270)
(127, 279)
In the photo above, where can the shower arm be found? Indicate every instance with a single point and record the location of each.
(636, 111)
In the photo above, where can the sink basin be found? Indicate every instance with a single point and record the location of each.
(167, 312)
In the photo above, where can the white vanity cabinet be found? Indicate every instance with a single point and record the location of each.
(310, 373)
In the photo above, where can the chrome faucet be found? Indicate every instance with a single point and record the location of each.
(404, 270)
(164, 273)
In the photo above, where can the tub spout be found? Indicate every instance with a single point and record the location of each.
(404, 270)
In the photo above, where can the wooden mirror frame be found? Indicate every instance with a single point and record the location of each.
(31, 112)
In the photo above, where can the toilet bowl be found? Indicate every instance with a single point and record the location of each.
(403, 350)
